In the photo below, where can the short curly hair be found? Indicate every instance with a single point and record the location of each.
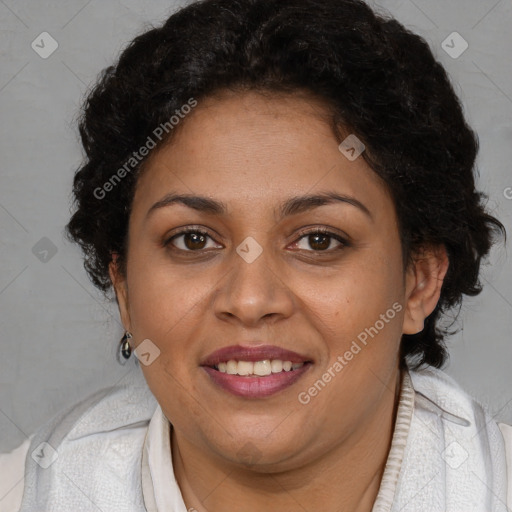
(380, 81)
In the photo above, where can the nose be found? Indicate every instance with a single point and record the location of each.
(253, 292)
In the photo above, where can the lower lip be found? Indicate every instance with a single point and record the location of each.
(256, 387)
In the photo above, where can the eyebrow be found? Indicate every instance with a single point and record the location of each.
(292, 206)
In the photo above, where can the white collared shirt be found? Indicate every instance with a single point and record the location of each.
(161, 491)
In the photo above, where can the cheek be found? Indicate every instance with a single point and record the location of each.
(162, 296)
(357, 314)
(167, 307)
(372, 323)
(353, 298)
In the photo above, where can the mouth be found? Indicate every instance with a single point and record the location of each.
(255, 372)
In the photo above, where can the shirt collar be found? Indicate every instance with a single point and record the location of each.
(159, 486)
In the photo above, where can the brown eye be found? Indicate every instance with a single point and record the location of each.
(192, 240)
(319, 240)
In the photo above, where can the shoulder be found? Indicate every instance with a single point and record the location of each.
(447, 395)
(89, 428)
(127, 402)
(435, 389)
(12, 477)
(506, 431)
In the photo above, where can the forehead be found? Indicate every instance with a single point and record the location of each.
(249, 149)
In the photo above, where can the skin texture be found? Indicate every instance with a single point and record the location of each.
(252, 153)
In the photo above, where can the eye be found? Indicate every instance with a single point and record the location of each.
(320, 240)
(191, 240)
(316, 240)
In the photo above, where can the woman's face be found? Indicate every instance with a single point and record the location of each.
(259, 275)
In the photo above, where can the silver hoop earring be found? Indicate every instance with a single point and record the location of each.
(124, 345)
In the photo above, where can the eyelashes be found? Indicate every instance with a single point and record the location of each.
(322, 234)
(192, 235)
(197, 240)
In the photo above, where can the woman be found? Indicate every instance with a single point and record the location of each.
(281, 195)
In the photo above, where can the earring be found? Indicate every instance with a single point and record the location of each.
(124, 345)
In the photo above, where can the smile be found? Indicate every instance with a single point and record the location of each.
(258, 379)
(257, 368)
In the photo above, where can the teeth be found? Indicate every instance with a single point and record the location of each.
(231, 367)
(244, 368)
(259, 368)
(276, 366)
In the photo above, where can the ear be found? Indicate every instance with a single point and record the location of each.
(424, 279)
(121, 290)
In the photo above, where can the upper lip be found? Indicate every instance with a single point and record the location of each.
(257, 353)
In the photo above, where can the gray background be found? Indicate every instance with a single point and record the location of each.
(58, 334)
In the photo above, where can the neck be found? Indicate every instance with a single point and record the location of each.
(346, 478)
